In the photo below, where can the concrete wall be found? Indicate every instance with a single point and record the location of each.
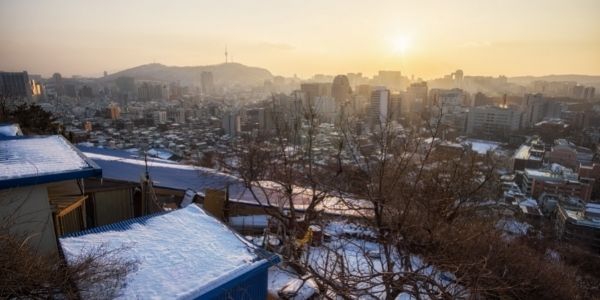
(26, 210)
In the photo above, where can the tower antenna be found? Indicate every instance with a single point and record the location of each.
(225, 53)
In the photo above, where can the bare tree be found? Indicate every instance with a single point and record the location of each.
(421, 206)
(28, 273)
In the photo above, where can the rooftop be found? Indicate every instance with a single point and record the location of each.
(183, 254)
(482, 146)
(37, 160)
(524, 152)
(126, 166)
(586, 216)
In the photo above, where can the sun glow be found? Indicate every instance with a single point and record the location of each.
(401, 44)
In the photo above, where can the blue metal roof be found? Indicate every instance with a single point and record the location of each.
(125, 166)
(10, 129)
(251, 278)
(36, 160)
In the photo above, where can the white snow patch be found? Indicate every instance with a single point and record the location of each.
(481, 146)
(38, 156)
(285, 281)
(513, 226)
(181, 254)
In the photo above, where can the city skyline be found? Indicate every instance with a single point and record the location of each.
(304, 38)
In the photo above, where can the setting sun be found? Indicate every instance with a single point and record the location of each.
(401, 44)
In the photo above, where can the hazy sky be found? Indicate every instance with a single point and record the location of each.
(304, 37)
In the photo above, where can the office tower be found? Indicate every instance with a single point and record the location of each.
(207, 83)
(389, 79)
(458, 78)
(396, 105)
(493, 120)
(232, 124)
(59, 86)
(15, 85)
(340, 89)
(588, 92)
(379, 108)
(416, 97)
(536, 108)
(315, 89)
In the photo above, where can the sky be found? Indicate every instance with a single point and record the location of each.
(423, 38)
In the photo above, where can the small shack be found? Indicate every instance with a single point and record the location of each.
(182, 254)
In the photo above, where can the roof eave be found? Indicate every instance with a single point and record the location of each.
(93, 171)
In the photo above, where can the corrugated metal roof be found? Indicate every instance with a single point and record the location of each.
(181, 254)
(125, 166)
(36, 160)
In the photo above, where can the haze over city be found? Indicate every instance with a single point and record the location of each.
(424, 38)
(306, 150)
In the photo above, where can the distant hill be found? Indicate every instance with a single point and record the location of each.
(230, 73)
(593, 80)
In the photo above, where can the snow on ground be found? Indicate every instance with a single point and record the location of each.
(339, 228)
(352, 251)
(181, 254)
(290, 284)
(513, 226)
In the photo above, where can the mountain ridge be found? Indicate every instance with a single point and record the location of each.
(225, 73)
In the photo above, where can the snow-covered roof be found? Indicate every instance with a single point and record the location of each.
(9, 129)
(126, 166)
(482, 146)
(183, 254)
(38, 160)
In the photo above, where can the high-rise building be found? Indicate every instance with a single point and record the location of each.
(15, 85)
(492, 120)
(207, 83)
(379, 107)
(396, 105)
(536, 108)
(232, 124)
(160, 117)
(315, 89)
(588, 92)
(448, 101)
(340, 89)
(416, 97)
(148, 91)
(364, 90)
(59, 85)
(390, 79)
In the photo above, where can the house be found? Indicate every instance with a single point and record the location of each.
(528, 156)
(223, 195)
(579, 223)
(42, 194)
(556, 180)
(181, 254)
(120, 194)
